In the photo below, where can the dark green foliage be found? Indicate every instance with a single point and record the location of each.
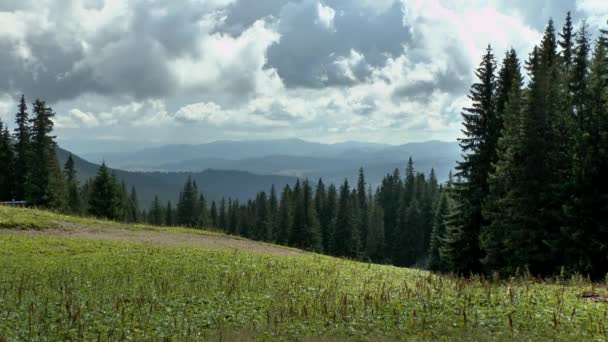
(169, 215)
(305, 228)
(22, 150)
(7, 170)
(479, 146)
(156, 215)
(188, 205)
(213, 214)
(132, 210)
(104, 196)
(285, 216)
(74, 202)
(346, 240)
(436, 261)
(45, 185)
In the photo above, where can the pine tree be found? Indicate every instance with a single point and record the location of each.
(462, 237)
(222, 218)
(328, 217)
(375, 238)
(213, 215)
(74, 203)
(436, 262)
(566, 43)
(501, 207)
(156, 215)
(346, 241)
(263, 226)
(305, 229)
(104, 199)
(362, 205)
(169, 215)
(7, 160)
(586, 244)
(285, 217)
(273, 206)
(188, 205)
(390, 197)
(203, 211)
(22, 150)
(133, 214)
(43, 163)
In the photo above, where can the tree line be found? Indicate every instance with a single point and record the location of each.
(392, 224)
(31, 172)
(531, 195)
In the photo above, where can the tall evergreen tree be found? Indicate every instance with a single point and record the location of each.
(502, 206)
(436, 262)
(169, 215)
(188, 205)
(133, 214)
(462, 237)
(22, 150)
(285, 217)
(104, 199)
(156, 214)
(346, 237)
(43, 163)
(7, 160)
(74, 203)
(213, 215)
(362, 205)
(305, 229)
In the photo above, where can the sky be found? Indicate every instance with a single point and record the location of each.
(124, 73)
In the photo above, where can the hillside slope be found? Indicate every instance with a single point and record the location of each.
(56, 285)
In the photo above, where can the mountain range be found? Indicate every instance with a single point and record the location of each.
(240, 169)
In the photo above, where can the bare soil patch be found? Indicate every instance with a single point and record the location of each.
(156, 238)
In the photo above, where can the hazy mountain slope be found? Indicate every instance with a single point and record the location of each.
(295, 158)
(167, 185)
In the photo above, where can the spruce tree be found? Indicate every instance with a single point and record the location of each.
(346, 241)
(104, 199)
(305, 230)
(43, 163)
(375, 237)
(263, 225)
(222, 218)
(436, 262)
(74, 203)
(501, 209)
(213, 215)
(7, 160)
(22, 150)
(285, 217)
(363, 224)
(156, 215)
(462, 238)
(188, 205)
(273, 206)
(169, 215)
(133, 214)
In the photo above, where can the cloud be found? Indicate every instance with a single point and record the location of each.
(378, 70)
(326, 16)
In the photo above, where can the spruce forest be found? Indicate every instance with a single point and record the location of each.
(527, 196)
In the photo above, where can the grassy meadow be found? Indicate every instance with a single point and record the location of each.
(61, 288)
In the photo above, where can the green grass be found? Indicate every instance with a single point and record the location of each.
(55, 288)
(19, 218)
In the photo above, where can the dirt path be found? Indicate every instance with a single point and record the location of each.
(156, 238)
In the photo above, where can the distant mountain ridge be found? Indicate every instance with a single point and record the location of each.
(240, 169)
(293, 157)
(167, 185)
